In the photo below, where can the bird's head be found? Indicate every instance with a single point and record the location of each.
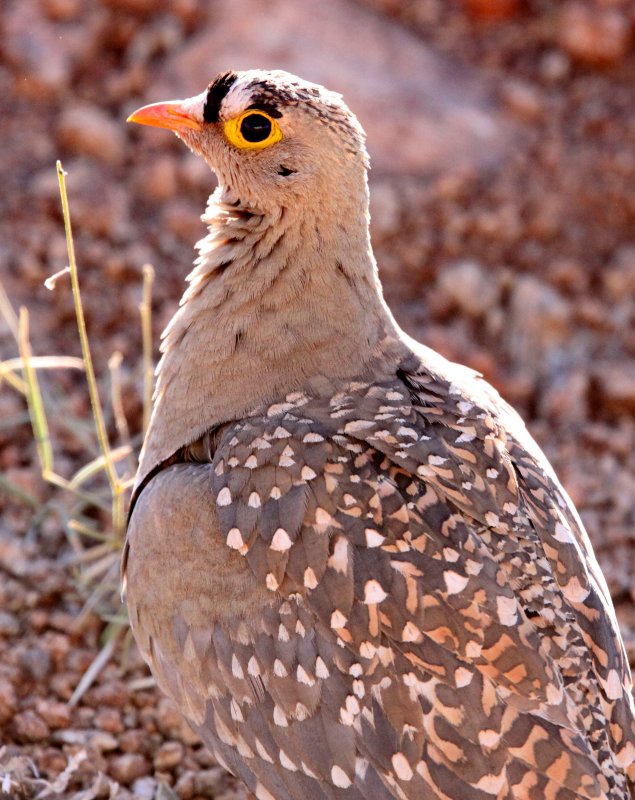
(270, 137)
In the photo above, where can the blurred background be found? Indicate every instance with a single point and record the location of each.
(502, 138)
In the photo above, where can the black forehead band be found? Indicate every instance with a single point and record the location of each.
(263, 98)
(216, 93)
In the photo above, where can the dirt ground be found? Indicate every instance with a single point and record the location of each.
(512, 251)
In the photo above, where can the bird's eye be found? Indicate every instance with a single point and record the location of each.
(252, 130)
(255, 128)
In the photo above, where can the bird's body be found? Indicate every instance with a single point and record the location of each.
(347, 561)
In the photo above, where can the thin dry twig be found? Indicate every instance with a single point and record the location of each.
(98, 663)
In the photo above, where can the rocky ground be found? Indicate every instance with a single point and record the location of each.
(503, 142)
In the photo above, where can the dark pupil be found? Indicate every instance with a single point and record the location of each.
(255, 128)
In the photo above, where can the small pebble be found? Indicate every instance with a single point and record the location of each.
(470, 286)
(8, 700)
(128, 767)
(89, 131)
(593, 36)
(38, 619)
(9, 624)
(157, 181)
(102, 741)
(30, 727)
(51, 761)
(134, 741)
(132, 6)
(615, 384)
(109, 719)
(492, 10)
(145, 788)
(619, 277)
(63, 684)
(165, 792)
(180, 219)
(85, 716)
(538, 310)
(44, 68)
(62, 10)
(523, 99)
(56, 715)
(112, 693)
(385, 210)
(169, 755)
(564, 398)
(185, 785)
(62, 621)
(204, 757)
(79, 659)
(57, 645)
(36, 662)
(172, 725)
(554, 66)
(71, 736)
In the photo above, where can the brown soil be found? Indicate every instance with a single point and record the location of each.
(522, 266)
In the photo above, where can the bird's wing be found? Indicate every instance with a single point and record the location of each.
(430, 626)
(442, 556)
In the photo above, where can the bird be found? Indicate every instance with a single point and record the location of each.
(347, 561)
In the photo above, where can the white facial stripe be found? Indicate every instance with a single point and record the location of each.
(195, 105)
(238, 98)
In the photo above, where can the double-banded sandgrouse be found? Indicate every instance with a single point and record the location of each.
(347, 560)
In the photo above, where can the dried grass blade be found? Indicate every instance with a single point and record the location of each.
(42, 362)
(97, 465)
(34, 396)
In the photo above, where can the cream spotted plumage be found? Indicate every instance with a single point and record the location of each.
(347, 561)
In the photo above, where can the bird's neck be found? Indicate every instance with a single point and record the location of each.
(278, 300)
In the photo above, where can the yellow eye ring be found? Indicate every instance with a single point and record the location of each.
(252, 130)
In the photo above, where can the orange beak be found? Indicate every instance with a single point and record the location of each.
(172, 115)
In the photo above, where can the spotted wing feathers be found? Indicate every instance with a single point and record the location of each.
(435, 624)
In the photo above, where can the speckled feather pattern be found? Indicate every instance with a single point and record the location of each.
(430, 623)
(347, 561)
